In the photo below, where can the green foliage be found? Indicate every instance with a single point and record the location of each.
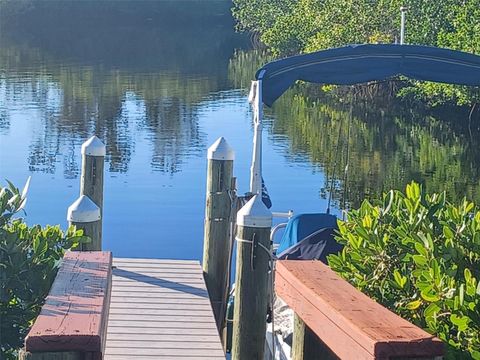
(418, 255)
(29, 259)
(297, 26)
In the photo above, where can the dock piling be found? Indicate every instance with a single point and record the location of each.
(306, 345)
(91, 179)
(86, 215)
(216, 246)
(254, 222)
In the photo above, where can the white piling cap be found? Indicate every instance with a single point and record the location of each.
(255, 214)
(220, 150)
(94, 147)
(83, 210)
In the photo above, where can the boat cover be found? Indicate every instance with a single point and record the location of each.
(315, 247)
(355, 64)
(303, 225)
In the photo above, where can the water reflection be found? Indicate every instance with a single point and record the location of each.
(158, 92)
(87, 74)
(387, 148)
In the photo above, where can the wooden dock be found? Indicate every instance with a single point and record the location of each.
(160, 309)
(105, 308)
(138, 309)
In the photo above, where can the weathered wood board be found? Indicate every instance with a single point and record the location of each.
(351, 324)
(160, 309)
(74, 315)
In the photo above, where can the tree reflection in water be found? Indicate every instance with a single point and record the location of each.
(87, 65)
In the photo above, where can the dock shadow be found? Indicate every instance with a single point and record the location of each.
(160, 282)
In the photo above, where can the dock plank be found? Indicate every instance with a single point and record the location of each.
(186, 351)
(158, 306)
(201, 305)
(167, 357)
(140, 330)
(155, 261)
(182, 338)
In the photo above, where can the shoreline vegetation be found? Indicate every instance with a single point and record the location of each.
(29, 260)
(417, 254)
(289, 27)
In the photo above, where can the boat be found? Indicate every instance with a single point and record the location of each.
(311, 236)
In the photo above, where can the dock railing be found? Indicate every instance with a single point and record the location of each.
(333, 320)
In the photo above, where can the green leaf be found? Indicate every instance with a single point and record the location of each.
(448, 232)
(461, 293)
(36, 244)
(467, 274)
(414, 304)
(362, 232)
(428, 294)
(431, 310)
(475, 354)
(420, 260)
(399, 279)
(389, 201)
(367, 221)
(468, 207)
(420, 249)
(413, 191)
(460, 321)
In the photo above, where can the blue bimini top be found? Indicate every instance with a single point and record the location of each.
(355, 64)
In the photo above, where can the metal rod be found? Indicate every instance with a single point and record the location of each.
(403, 10)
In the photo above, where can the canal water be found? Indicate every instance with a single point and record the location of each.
(160, 81)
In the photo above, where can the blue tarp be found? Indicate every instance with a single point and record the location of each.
(302, 225)
(315, 247)
(362, 63)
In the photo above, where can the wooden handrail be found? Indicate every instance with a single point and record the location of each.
(73, 321)
(348, 322)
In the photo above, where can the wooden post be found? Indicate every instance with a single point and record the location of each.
(86, 215)
(306, 345)
(91, 180)
(216, 242)
(254, 222)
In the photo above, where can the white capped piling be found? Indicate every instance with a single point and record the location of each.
(86, 215)
(91, 180)
(218, 213)
(254, 222)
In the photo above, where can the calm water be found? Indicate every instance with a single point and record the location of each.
(159, 92)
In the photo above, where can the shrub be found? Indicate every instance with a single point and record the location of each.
(29, 259)
(418, 255)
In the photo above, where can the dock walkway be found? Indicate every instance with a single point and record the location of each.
(160, 309)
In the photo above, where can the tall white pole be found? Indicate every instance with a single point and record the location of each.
(403, 10)
(256, 168)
